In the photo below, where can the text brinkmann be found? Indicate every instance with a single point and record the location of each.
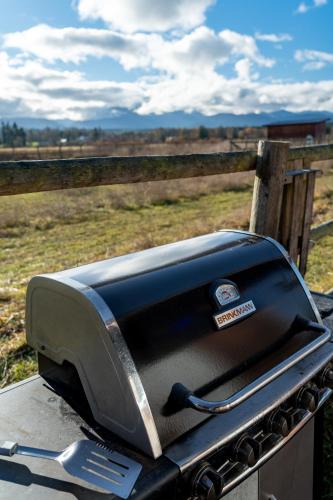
(227, 317)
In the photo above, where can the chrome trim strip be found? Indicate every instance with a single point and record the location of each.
(124, 354)
(290, 262)
(216, 407)
(229, 486)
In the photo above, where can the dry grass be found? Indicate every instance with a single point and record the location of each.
(125, 148)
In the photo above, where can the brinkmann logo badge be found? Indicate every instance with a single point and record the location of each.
(225, 318)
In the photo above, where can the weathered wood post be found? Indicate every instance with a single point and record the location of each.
(272, 162)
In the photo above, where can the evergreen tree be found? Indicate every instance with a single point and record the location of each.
(203, 132)
(12, 135)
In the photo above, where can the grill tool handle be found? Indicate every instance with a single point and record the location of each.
(186, 398)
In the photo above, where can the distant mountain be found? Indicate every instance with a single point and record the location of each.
(120, 119)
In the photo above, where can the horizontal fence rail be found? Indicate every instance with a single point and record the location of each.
(320, 152)
(28, 176)
(18, 177)
(324, 229)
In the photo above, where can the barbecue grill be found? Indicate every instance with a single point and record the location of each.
(206, 357)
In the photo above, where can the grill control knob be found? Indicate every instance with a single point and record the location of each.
(326, 379)
(245, 455)
(277, 424)
(246, 451)
(207, 484)
(206, 488)
(307, 399)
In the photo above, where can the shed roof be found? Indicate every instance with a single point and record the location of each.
(297, 122)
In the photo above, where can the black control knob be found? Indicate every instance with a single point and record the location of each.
(293, 416)
(307, 399)
(245, 455)
(246, 451)
(326, 379)
(207, 483)
(278, 424)
(206, 488)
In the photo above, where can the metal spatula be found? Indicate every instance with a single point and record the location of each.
(88, 460)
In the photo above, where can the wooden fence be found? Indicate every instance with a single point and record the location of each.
(283, 189)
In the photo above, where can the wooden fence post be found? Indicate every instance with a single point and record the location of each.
(272, 161)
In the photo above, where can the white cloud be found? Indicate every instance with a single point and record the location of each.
(213, 93)
(245, 45)
(305, 7)
(300, 96)
(201, 49)
(302, 8)
(313, 59)
(182, 70)
(145, 15)
(31, 89)
(76, 44)
(274, 38)
(314, 65)
(243, 68)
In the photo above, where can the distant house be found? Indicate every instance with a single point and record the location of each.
(308, 131)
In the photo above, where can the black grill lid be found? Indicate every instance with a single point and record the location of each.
(162, 329)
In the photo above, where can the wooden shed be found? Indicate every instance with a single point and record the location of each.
(308, 131)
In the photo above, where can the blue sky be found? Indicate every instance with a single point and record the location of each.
(83, 59)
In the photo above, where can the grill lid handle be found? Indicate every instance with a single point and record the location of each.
(185, 398)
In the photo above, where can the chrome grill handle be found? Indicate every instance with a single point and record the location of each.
(186, 398)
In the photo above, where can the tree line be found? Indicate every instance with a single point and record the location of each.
(12, 135)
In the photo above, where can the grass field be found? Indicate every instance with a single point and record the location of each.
(47, 232)
(51, 231)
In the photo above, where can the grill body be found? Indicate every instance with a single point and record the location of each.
(134, 326)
